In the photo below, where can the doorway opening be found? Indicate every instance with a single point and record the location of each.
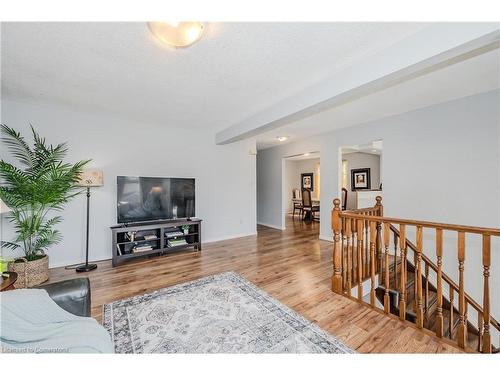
(361, 174)
(301, 172)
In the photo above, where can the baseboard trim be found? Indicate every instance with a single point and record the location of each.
(325, 238)
(271, 226)
(82, 261)
(230, 237)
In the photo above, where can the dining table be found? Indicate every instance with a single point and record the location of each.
(314, 201)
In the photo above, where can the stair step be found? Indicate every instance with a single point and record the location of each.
(430, 319)
(431, 323)
(430, 316)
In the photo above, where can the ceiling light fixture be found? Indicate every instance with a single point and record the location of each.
(306, 154)
(282, 138)
(177, 34)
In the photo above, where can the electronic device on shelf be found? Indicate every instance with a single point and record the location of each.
(174, 234)
(148, 199)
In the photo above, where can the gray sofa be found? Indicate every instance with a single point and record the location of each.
(71, 295)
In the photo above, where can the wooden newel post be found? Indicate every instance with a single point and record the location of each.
(337, 248)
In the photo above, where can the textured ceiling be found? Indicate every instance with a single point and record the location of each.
(469, 77)
(233, 72)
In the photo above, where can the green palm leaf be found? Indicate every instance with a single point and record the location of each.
(40, 184)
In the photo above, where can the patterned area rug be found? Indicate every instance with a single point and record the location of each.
(224, 313)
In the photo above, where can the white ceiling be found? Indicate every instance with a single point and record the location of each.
(472, 76)
(305, 156)
(374, 147)
(232, 73)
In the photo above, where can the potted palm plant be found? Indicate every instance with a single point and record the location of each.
(35, 187)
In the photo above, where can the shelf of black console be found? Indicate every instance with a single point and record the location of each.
(142, 253)
(181, 235)
(177, 247)
(160, 244)
(137, 241)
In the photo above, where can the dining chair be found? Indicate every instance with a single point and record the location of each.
(296, 205)
(344, 199)
(308, 208)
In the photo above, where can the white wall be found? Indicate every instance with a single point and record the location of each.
(293, 171)
(291, 182)
(225, 175)
(441, 163)
(356, 160)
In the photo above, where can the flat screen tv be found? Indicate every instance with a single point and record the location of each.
(154, 198)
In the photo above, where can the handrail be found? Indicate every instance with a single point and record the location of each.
(363, 249)
(424, 224)
(363, 210)
(446, 278)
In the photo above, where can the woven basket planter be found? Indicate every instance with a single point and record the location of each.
(30, 273)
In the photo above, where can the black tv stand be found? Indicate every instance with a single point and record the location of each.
(140, 239)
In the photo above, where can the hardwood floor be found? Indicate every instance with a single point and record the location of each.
(293, 266)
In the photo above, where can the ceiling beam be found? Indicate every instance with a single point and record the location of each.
(434, 47)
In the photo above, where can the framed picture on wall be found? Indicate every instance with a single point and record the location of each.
(360, 179)
(307, 181)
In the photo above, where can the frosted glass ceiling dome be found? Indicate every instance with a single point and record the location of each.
(177, 34)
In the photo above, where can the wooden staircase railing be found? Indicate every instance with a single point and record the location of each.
(453, 289)
(362, 242)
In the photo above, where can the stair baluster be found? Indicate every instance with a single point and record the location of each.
(439, 254)
(462, 325)
(426, 295)
(386, 268)
(349, 256)
(402, 284)
(343, 254)
(486, 293)
(418, 281)
(359, 230)
(452, 310)
(380, 211)
(379, 253)
(372, 262)
(479, 331)
(395, 262)
(415, 291)
(354, 251)
(366, 269)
